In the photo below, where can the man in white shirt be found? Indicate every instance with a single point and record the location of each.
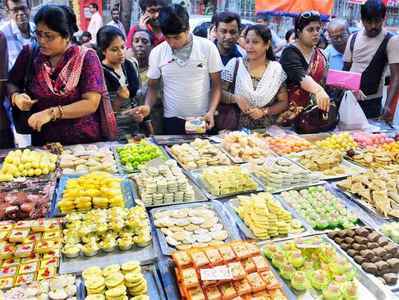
(96, 21)
(116, 21)
(189, 67)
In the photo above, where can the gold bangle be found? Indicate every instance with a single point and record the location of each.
(61, 110)
(15, 94)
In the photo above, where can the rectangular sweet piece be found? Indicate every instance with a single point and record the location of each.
(228, 291)
(33, 257)
(24, 279)
(49, 262)
(242, 287)
(4, 234)
(260, 263)
(33, 237)
(6, 225)
(237, 270)
(28, 268)
(52, 235)
(18, 235)
(213, 293)
(195, 294)
(270, 280)
(227, 253)
(46, 273)
(240, 249)
(12, 261)
(189, 278)
(182, 259)
(277, 294)
(6, 250)
(199, 258)
(256, 282)
(214, 256)
(8, 271)
(24, 250)
(252, 248)
(249, 265)
(6, 282)
(23, 224)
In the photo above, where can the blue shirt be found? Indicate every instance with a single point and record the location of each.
(335, 59)
(234, 52)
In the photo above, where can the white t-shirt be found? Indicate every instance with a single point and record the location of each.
(96, 22)
(186, 86)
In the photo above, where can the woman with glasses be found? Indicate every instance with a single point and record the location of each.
(306, 66)
(66, 83)
(121, 77)
(255, 84)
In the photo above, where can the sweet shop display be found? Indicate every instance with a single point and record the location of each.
(29, 251)
(366, 140)
(243, 147)
(163, 184)
(116, 282)
(189, 227)
(198, 154)
(27, 163)
(281, 173)
(94, 190)
(377, 190)
(248, 274)
(61, 287)
(373, 158)
(372, 251)
(288, 144)
(320, 208)
(265, 217)
(342, 142)
(227, 180)
(81, 160)
(106, 230)
(311, 265)
(391, 230)
(132, 156)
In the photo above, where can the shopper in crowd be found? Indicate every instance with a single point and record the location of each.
(122, 79)
(96, 21)
(6, 136)
(277, 42)
(139, 53)
(305, 64)
(66, 86)
(243, 33)
(86, 40)
(149, 21)
(116, 21)
(19, 31)
(189, 67)
(323, 42)
(369, 52)
(259, 89)
(290, 36)
(227, 25)
(202, 29)
(338, 31)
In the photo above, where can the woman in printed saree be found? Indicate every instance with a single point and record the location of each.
(66, 86)
(305, 66)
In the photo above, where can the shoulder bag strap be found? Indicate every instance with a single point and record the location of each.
(233, 86)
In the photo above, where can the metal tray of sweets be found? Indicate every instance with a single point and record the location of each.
(217, 207)
(198, 194)
(196, 177)
(268, 187)
(367, 287)
(155, 289)
(238, 160)
(176, 139)
(376, 217)
(349, 167)
(363, 219)
(55, 212)
(231, 206)
(125, 171)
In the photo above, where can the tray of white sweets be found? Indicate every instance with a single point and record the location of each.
(196, 224)
(164, 183)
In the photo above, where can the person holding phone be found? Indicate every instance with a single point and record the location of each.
(148, 21)
(189, 67)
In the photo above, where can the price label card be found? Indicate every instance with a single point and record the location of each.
(217, 273)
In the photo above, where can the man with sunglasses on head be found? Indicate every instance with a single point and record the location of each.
(148, 21)
(338, 31)
(369, 52)
(19, 31)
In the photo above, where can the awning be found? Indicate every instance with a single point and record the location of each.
(293, 7)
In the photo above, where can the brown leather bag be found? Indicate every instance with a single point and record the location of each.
(228, 115)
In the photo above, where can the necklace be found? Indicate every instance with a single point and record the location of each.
(258, 72)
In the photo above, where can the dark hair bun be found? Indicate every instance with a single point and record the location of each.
(73, 22)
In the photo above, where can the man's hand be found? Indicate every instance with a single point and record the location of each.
(133, 114)
(143, 21)
(23, 101)
(255, 113)
(242, 103)
(140, 112)
(210, 120)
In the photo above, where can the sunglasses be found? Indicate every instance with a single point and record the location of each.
(309, 14)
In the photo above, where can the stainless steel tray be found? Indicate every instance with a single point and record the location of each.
(237, 160)
(369, 208)
(155, 289)
(214, 205)
(196, 177)
(231, 206)
(145, 256)
(349, 167)
(368, 289)
(199, 196)
(362, 218)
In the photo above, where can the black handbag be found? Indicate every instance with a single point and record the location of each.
(20, 117)
(314, 120)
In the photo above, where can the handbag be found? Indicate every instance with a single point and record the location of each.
(108, 125)
(228, 115)
(314, 120)
(20, 118)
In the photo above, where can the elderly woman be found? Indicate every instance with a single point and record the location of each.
(67, 82)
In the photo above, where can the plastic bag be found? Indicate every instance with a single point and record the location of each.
(351, 114)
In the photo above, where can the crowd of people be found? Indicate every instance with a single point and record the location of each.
(161, 73)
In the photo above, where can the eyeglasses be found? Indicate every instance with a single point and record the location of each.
(22, 8)
(45, 36)
(309, 14)
(342, 36)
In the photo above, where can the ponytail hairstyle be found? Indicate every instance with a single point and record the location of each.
(266, 35)
(59, 18)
